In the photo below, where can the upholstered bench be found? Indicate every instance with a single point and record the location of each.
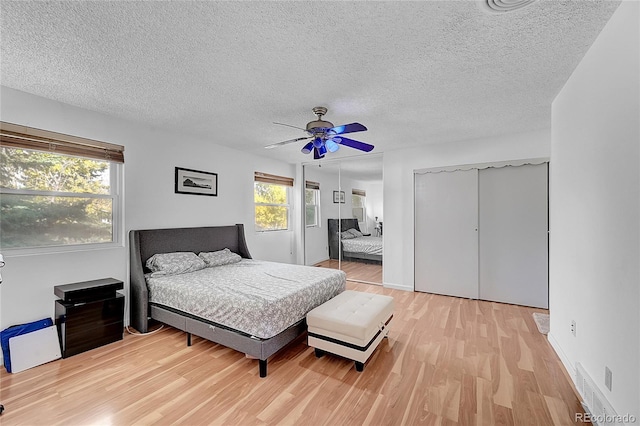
(351, 325)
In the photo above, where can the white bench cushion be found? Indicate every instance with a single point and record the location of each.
(353, 317)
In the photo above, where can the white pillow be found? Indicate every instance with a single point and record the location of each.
(174, 263)
(220, 257)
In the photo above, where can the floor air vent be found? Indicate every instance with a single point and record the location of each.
(601, 411)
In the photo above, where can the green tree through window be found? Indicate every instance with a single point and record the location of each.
(49, 199)
(272, 206)
(312, 207)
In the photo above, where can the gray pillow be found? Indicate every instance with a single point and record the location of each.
(346, 235)
(355, 232)
(220, 257)
(174, 263)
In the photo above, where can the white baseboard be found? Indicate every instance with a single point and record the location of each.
(571, 369)
(398, 287)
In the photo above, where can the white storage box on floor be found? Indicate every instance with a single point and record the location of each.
(34, 348)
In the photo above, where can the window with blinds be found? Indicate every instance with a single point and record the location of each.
(272, 196)
(312, 204)
(57, 190)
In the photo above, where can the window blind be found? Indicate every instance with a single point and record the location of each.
(359, 192)
(311, 185)
(278, 180)
(16, 136)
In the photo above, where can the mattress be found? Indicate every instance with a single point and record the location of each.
(367, 244)
(255, 297)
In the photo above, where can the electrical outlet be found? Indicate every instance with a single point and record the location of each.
(573, 327)
(607, 377)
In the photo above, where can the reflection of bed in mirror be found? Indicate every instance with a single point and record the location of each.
(364, 248)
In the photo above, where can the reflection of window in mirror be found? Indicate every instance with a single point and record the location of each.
(358, 202)
(312, 203)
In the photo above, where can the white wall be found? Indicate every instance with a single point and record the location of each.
(594, 213)
(398, 189)
(149, 199)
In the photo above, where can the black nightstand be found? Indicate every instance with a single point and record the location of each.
(89, 315)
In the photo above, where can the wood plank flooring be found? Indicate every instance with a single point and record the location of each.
(447, 361)
(357, 271)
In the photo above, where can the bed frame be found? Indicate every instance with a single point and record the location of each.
(146, 243)
(336, 226)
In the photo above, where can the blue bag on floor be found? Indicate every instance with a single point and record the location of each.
(16, 330)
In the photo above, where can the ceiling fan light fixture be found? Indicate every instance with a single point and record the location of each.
(307, 148)
(331, 145)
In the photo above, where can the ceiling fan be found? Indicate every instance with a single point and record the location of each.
(325, 137)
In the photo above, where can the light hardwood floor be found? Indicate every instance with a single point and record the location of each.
(447, 361)
(358, 271)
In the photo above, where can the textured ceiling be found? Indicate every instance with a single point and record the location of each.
(412, 72)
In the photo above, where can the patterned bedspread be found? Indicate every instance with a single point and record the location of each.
(256, 297)
(369, 245)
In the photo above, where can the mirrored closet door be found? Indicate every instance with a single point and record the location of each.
(321, 181)
(343, 216)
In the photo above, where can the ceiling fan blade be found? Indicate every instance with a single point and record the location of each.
(307, 148)
(289, 125)
(275, 145)
(348, 128)
(354, 144)
(316, 154)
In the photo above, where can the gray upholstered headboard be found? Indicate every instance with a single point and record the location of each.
(335, 226)
(145, 243)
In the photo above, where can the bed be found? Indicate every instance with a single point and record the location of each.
(252, 306)
(362, 248)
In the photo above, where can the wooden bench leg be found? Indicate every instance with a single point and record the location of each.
(359, 366)
(319, 353)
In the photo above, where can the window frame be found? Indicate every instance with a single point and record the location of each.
(316, 207)
(13, 136)
(363, 198)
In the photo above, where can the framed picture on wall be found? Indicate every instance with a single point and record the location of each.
(196, 182)
(338, 197)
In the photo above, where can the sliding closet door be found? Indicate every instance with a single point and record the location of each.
(446, 240)
(513, 235)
